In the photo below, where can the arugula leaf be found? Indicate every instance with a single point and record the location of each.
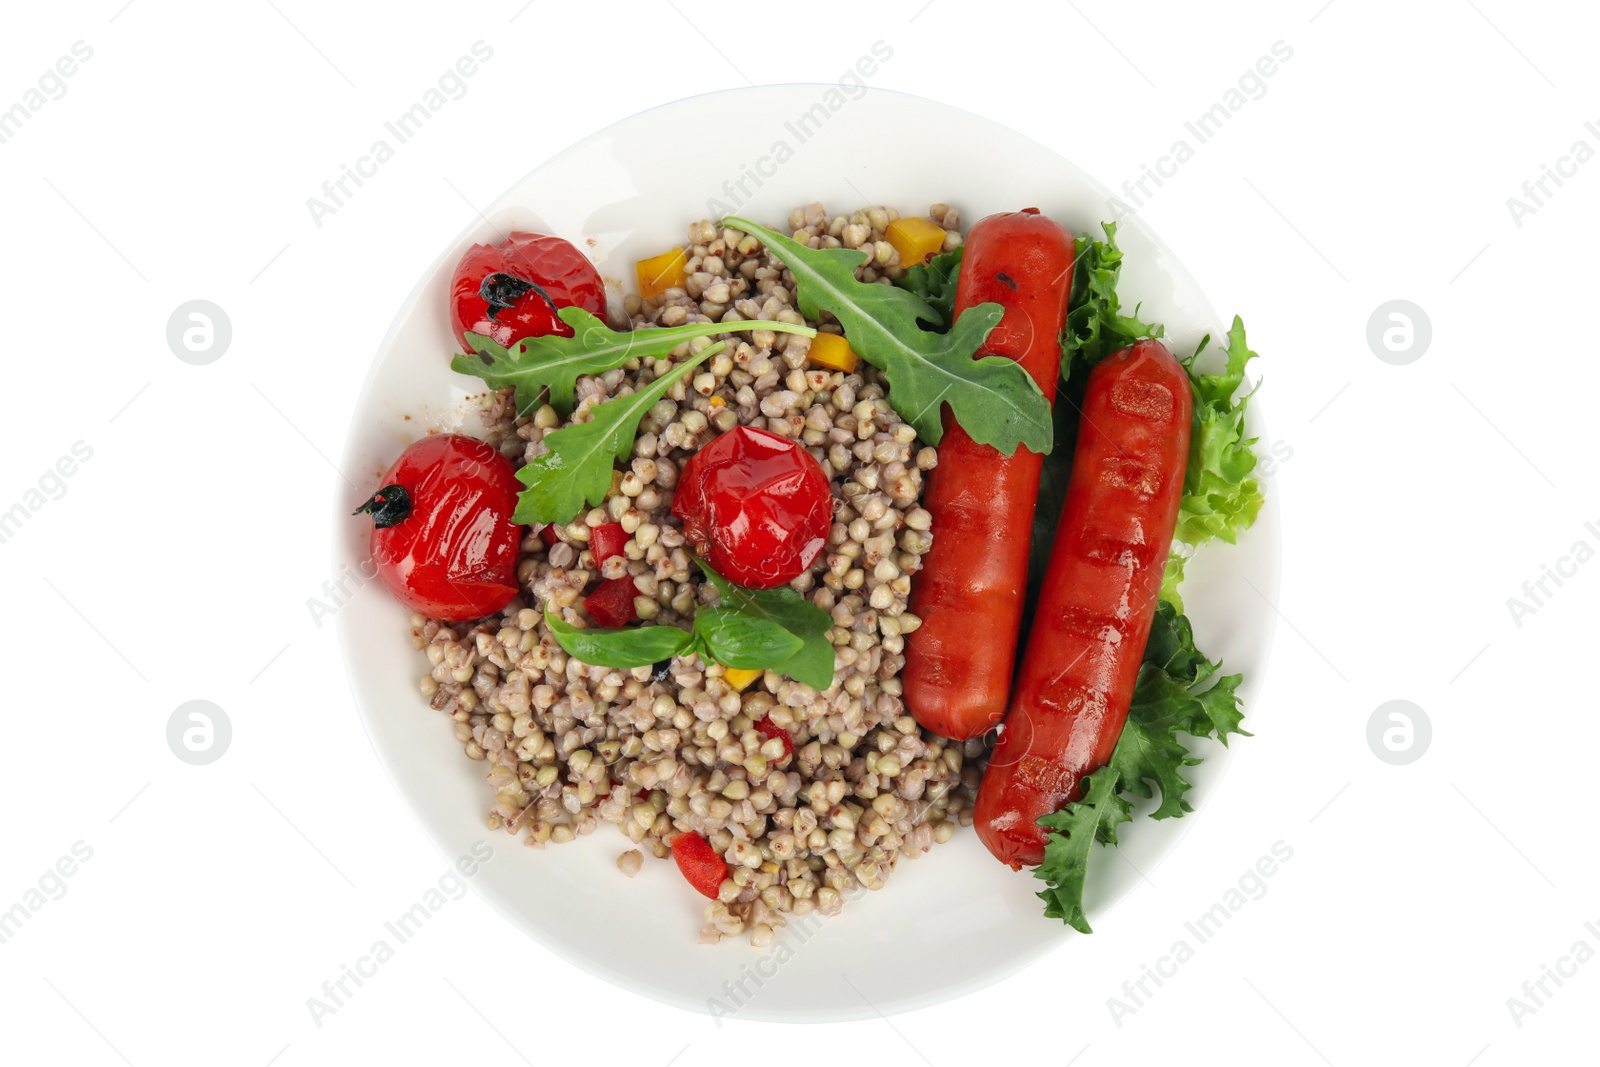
(1096, 326)
(555, 363)
(813, 662)
(1066, 854)
(996, 402)
(576, 471)
(1171, 697)
(1220, 498)
(621, 649)
(935, 282)
(734, 639)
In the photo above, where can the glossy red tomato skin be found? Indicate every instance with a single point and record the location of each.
(756, 506)
(454, 557)
(563, 272)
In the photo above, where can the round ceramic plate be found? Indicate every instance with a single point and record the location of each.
(946, 923)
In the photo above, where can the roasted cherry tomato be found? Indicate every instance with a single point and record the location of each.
(700, 864)
(442, 536)
(512, 290)
(755, 506)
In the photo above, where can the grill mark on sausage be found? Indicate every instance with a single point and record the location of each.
(1146, 400)
(1091, 625)
(1126, 473)
(1115, 551)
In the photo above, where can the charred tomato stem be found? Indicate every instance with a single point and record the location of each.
(502, 291)
(389, 506)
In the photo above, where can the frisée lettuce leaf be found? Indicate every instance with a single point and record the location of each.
(1096, 326)
(1178, 693)
(1220, 498)
(935, 282)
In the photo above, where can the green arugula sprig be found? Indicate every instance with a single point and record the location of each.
(995, 401)
(575, 471)
(1178, 692)
(535, 364)
(751, 629)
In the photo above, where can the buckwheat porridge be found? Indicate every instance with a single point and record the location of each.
(806, 794)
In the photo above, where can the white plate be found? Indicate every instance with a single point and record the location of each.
(945, 924)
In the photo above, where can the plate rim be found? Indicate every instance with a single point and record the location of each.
(1269, 522)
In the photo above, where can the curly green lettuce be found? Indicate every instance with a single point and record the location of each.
(1220, 498)
(1096, 325)
(1178, 693)
(935, 282)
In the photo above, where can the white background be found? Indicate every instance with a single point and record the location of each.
(178, 563)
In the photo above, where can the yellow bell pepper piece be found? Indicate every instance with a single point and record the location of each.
(660, 273)
(740, 679)
(915, 239)
(832, 351)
